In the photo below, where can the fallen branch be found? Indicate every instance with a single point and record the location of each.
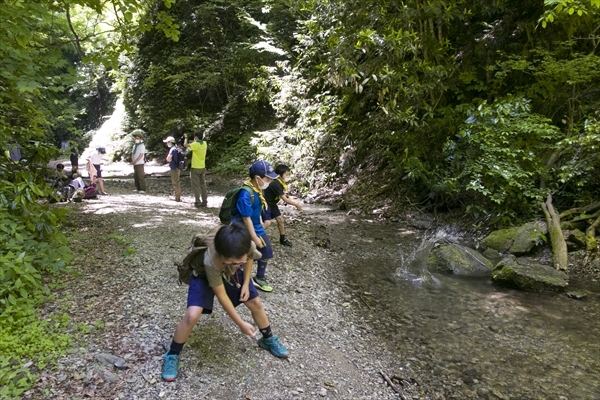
(391, 384)
(591, 244)
(559, 245)
(367, 304)
(578, 210)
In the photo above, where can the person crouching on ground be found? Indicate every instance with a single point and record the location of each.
(275, 192)
(137, 159)
(224, 271)
(59, 173)
(248, 210)
(173, 166)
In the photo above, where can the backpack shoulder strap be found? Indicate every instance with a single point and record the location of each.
(250, 192)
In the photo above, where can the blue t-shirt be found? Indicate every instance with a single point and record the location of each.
(243, 208)
(174, 164)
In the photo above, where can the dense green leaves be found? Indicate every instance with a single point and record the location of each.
(386, 86)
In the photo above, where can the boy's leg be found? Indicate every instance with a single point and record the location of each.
(267, 254)
(200, 301)
(268, 341)
(280, 226)
(276, 215)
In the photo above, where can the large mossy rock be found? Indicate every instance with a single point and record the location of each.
(459, 260)
(529, 276)
(500, 240)
(528, 237)
(518, 240)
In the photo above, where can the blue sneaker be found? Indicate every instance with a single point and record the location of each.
(170, 367)
(274, 346)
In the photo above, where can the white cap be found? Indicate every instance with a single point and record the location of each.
(169, 139)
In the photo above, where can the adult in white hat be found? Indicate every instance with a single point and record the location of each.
(174, 161)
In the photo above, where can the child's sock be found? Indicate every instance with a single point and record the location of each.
(281, 238)
(266, 332)
(262, 268)
(175, 348)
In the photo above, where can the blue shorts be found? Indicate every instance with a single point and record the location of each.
(267, 251)
(98, 171)
(271, 212)
(200, 294)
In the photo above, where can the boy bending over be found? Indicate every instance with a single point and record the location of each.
(223, 270)
(275, 192)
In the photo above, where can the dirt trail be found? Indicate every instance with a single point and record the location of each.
(124, 300)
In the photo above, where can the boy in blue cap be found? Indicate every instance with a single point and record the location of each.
(248, 210)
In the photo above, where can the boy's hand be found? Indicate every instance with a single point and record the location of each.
(247, 329)
(259, 242)
(244, 293)
(298, 207)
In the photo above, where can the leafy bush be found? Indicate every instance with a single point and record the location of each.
(32, 248)
(498, 155)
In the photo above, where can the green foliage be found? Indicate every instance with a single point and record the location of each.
(384, 90)
(26, 346)
(498, 154)
(32, 249)
(203, 77)
(237, 158)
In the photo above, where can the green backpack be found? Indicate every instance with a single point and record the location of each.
(230, 200)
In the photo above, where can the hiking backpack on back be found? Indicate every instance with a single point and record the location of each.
(230, 200)
(181, 158)
(185, 267)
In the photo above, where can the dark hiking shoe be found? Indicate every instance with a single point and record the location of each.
(285, 242)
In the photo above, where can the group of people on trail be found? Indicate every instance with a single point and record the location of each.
(197, 169)
(224, 270)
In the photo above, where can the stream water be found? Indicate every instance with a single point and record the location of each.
(468, 334)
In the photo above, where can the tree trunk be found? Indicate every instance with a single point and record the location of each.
(559, 246)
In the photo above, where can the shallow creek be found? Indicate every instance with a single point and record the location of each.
(467, 335)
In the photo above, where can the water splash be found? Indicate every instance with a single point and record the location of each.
(414, 267)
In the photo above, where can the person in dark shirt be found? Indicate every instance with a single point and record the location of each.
(275, 192)
(74, 157)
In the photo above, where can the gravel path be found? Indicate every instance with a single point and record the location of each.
(124, 301)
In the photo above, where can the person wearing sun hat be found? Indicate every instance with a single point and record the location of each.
(137, 159)
(173, 166)
(248, 210)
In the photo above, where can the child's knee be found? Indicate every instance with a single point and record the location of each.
(192, 315)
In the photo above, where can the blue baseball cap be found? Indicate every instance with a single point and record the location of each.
(262, 169)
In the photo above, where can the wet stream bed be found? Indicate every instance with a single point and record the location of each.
(454, 332)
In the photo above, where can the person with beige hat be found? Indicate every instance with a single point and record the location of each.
(137, 159)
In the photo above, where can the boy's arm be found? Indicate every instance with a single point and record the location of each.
(291, 202)
(250, 226)
(221, 294)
